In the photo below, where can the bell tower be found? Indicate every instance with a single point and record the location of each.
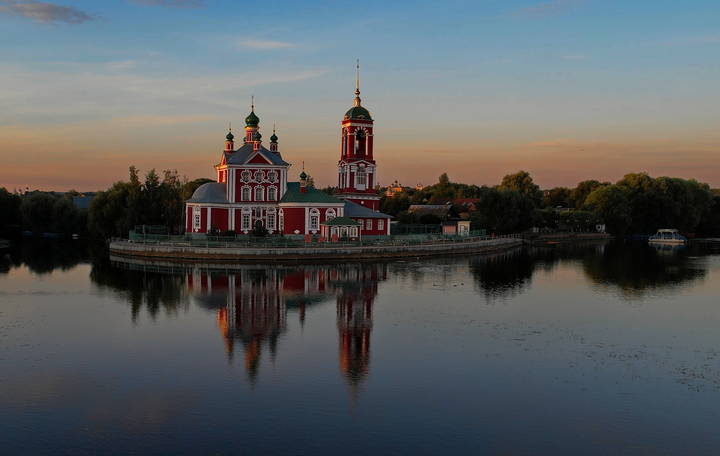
(356, 167)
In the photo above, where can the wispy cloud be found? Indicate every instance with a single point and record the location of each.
(548, 8)
(44, 12)
(67, 93)
(173, 3)
(265, 44)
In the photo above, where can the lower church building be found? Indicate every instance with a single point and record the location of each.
(253, 188)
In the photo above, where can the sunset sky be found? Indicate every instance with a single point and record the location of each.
(565, 89)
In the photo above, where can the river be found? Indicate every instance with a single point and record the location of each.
(594, 349)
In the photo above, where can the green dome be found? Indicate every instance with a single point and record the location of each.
(358, 112)
(303, 176)
(252, 120)
(229, 136)
(273, 138)
(257, 136)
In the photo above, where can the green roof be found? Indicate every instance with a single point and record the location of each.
(358, 112)
(311, 195)
(341, 221)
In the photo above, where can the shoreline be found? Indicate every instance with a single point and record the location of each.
(186, 253)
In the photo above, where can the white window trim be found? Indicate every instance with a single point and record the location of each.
(242, 193)
(259, 190)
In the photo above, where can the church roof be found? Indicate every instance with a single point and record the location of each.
(311, 195)
(356, 210)
(243, 154)
(211, 192)
(341, 221)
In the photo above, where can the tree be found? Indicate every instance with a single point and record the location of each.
(610, 203)
(558, 196)
(36, 211)
(188, 188)
(504, 211)
(522, 183)
(578, 195)
(9, 208)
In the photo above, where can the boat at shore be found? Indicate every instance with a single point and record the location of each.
(669, 236)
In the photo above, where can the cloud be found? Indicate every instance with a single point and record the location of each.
(265, 44)
(44, 12)
(173, 3)
(82, 92)
(549, 8)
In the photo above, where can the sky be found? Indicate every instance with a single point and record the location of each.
(566, 89)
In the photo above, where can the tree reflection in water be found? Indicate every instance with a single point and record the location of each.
(633, 268)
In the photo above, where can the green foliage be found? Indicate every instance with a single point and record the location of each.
(117, 210)
(504, 211)
(710, 221)
(579, 194)
(610, 203)
(522, 183)
(9, 208)
(557, 197)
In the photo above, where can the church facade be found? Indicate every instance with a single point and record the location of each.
(253, 188)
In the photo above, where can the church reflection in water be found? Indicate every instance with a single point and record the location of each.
(252, 305)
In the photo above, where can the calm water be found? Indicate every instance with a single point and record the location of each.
(595, 350)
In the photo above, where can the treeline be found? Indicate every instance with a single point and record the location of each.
(41, 212)
(636, 204)
(154, 200)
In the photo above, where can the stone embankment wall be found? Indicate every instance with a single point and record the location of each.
(229, 253)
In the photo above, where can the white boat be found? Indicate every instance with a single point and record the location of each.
(667, 236)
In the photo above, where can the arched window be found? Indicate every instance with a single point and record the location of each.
(259, 193)
(259, 175)
(272, 194)
(245, 194)
(314, 219)
(329, 215)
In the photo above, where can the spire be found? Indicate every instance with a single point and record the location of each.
(252, 119)
(357, 83)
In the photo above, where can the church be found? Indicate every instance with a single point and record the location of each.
(253, 188)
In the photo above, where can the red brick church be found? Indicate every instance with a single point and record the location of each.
(253, 188)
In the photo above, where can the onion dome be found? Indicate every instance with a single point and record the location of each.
(229, 136)
(303, 176)
(257, 136)
(252, 120)
(358, 112)
(273, 138)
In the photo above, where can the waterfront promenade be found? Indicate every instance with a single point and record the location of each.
(397, 247)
